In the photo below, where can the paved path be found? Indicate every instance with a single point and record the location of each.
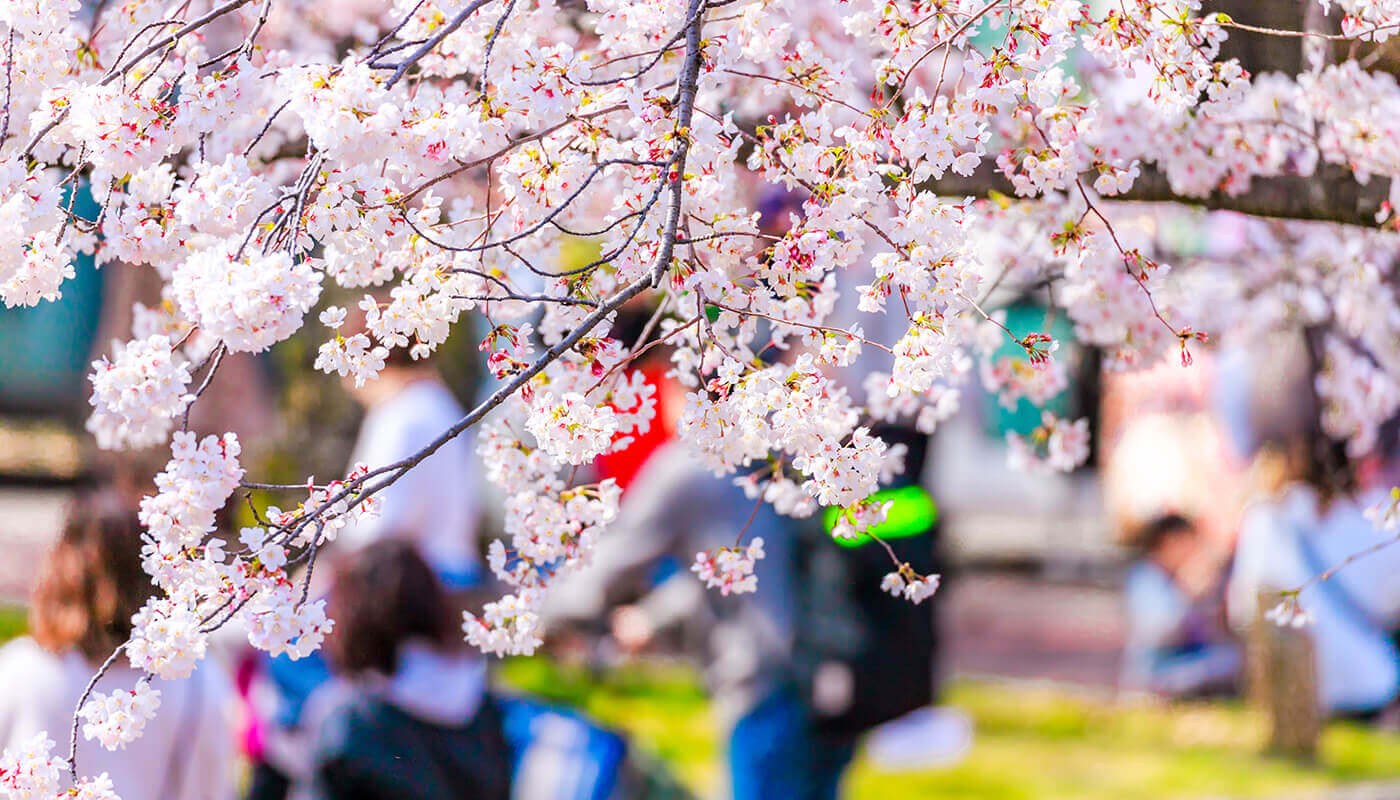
(29, 520)
(1022, 626)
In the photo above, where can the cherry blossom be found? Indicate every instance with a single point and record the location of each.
(854, 521)
(167, 639)
(249, 303)
(1055, 444)
(195, 484)
(31, 771)
(98, 788)
(570, 429)
(730, 569)
(1288, 613)
(117, 719)
(280, 624)
(1385, 515)
(137, 397)
(354, 356)
(1355, 395)
(909, 585)
(509, 626)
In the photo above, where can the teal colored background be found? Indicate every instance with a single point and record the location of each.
(44, 350)
(1023, 319)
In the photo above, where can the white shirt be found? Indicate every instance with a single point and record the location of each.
(185, 753)
(435, 504)
(1352, 612)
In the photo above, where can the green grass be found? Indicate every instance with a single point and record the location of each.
(1031, 742)
(660, 706)
(14, 621)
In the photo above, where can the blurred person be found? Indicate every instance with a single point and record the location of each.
(1289, 538)
(436, 504)
(1176, 644)
(89, 586)
(623, 465)
(1162, 421)
(409, 713)
(677, 508)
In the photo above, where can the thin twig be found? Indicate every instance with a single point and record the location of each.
(433, 41)
(78, 707)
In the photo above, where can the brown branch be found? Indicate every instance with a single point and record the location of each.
(1331, 195)
(361, 489)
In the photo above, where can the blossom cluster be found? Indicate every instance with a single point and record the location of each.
(167, 638)
(856, 520)
(570, 429)
(96, 788)
(1355, 395)
(202, 577)
(1385, 515)
(730, 569)
(31, 770)
(508, 626)
(355, 356)
(251, 303)
(37, 258)
(906, 583)
(118, 719)
(195, 484)
(137, 396)
(1056, 444)
(1288, 613)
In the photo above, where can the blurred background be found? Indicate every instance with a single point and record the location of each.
(1096, 634)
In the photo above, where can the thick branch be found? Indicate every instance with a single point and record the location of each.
(1331, 195)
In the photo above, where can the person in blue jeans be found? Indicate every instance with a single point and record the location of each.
(774, 751)
(674, 509)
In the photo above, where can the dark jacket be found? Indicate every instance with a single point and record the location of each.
(370, 749)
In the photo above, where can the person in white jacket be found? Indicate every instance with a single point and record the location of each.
(437, 503)
(88, 587)
(436, 507)
(1289, 541)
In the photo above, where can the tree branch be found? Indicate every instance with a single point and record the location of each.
(446, 30)
(362, 489)
(1332, 194)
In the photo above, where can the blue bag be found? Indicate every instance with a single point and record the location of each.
(558, 754)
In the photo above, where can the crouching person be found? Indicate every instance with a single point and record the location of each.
(1177, 644)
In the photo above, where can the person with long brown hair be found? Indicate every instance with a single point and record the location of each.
(88, 587)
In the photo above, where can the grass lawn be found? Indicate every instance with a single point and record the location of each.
(14, 621)
(1031, 742)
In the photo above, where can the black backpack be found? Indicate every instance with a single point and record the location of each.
(882, 648)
